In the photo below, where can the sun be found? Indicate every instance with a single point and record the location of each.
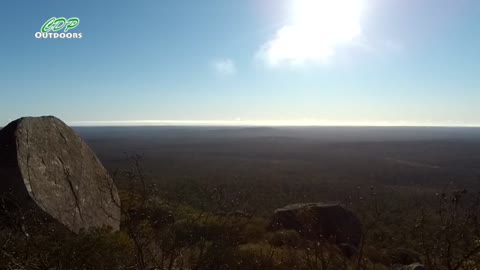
(337, 20)
(315, 29)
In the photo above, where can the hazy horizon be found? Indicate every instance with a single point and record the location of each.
(246, 123)
(250, 124)
(273, 62)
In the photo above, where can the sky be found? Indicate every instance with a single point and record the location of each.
(258, 62)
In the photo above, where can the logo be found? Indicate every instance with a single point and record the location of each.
(59, 28)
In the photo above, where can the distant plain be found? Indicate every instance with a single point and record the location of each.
(296, 163)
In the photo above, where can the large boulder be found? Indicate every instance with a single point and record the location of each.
(316, 221)
(45, 166)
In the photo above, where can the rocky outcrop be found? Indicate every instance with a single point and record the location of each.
(317, 221)
(44, 165)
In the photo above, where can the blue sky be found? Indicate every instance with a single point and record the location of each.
(298, 62)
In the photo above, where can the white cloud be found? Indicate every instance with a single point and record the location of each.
(316, 29)
(225, 66)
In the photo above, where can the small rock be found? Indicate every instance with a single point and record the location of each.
(315, 221)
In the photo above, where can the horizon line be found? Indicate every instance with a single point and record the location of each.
(260, 123)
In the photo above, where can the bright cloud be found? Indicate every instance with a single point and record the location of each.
(316, 29)
(225, 67)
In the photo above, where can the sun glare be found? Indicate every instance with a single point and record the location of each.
(315, 29)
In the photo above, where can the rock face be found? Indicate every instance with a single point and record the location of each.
(320, 221)
(45, 165)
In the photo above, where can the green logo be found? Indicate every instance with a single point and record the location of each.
(56, 24)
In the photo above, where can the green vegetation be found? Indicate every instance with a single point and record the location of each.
(198, 226)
